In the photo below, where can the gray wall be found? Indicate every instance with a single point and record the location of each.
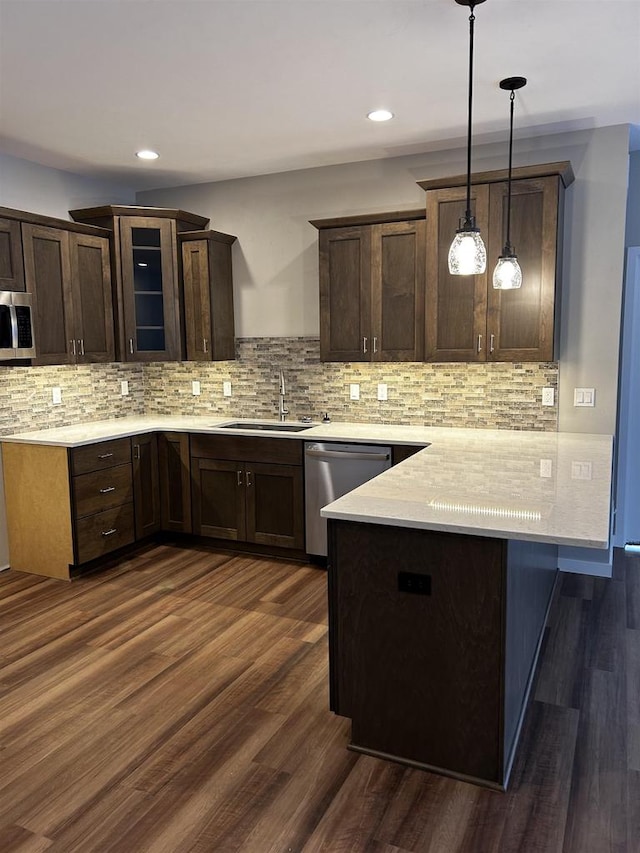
(276, 265)
(53, 192)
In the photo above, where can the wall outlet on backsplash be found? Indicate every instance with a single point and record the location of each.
(354, 391)
(548, 396)
(226, 389)
(382, 391)
(56, 396)
(124, 387)
(195, 388)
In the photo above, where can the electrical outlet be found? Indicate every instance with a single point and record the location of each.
(195, 388)
(56, 396)
(226, 389)
(382, 391)
(546, 467)
(124, 387)
(354, 391)
(584, 396)
(548, 396)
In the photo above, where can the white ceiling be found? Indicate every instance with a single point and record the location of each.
(231, 88)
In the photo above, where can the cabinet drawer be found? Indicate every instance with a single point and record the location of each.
(104, 532)
(284, 451)
(104, 454)
(100, 490)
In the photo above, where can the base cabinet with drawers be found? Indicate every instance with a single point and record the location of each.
(248, 489)
(69, 506)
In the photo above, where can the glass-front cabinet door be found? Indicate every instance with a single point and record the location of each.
(149, 289)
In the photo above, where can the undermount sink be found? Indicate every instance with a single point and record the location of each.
(274, 427)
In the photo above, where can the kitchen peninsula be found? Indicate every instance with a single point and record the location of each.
(441, 569)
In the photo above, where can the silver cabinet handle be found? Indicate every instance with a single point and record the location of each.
(375, 344)
(239, 478)
(105, 456)
(136, 451)
(107, 490)
(73, 346)
(479, 342)
(204, 345)
(131, 345)
(364, 345)
(249, 483)
(491, 342)
(109, 532)
(81, 342)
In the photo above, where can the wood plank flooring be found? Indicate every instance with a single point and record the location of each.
(178, 702)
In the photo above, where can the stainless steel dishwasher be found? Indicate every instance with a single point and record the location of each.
(332, 470)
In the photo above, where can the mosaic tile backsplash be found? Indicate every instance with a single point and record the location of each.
(501, 396)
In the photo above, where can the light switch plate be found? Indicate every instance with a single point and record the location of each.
(56, 396)
(581, 470)
(124, 387)
(226, 389)
(195, 388)
(382, 391)
(584, 396)
(354, 391)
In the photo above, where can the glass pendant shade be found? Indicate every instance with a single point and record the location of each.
(467, 255)
(507, 275)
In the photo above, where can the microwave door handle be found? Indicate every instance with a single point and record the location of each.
(13, 319)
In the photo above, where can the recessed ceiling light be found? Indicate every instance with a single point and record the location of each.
(380, 115)
(147, 155)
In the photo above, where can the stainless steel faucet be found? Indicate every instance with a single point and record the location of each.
(282, 409)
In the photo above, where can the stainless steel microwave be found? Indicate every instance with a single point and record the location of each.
(16, 325)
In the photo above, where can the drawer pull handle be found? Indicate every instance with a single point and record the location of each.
(239, 475)
(107, 490)
(105, 456)
(249, 483)
(109, 532)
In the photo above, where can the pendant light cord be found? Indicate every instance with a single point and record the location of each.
(472, 18)
(512, 98)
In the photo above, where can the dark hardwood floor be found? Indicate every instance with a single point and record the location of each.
(178, 702)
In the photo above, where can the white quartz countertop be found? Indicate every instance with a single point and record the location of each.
(536, 486)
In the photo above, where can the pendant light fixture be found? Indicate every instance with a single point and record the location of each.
(467, 255)
(507, 275)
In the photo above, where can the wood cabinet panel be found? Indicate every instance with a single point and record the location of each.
(175, 482)
(103, 454)
(100, 490)
(99, 534)
(274, 505)
(285, 451)
(218, 499)
(208, 295)
(11, 263)
(92, 301)
(146, 484)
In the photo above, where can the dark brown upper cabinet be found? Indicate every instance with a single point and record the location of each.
(465, 318)
(208, 295)
(147, 295)
(372, 287)
(68, 272)
(11, 264)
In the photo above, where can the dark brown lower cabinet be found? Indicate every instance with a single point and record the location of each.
(146, 490)
(433, 642)
(175, 481)
(237, 498)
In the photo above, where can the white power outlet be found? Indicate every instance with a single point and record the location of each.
(226, 389)
(124, 387)
(354, 391)
(548, 396)
(546, 467)
(195, 388)
(56, 396)
(382, 391)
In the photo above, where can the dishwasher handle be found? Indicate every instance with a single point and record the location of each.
(347, 454)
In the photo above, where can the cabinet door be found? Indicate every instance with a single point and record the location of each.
(175, 481)
(275, 514)
(456, 306)
(146, 492)
(11, 265)
(218, 498)
(92, 301)
(521, 323)
(397, 291)
(150, 304)
(345, 294)
(197, 303)
(48, 278)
